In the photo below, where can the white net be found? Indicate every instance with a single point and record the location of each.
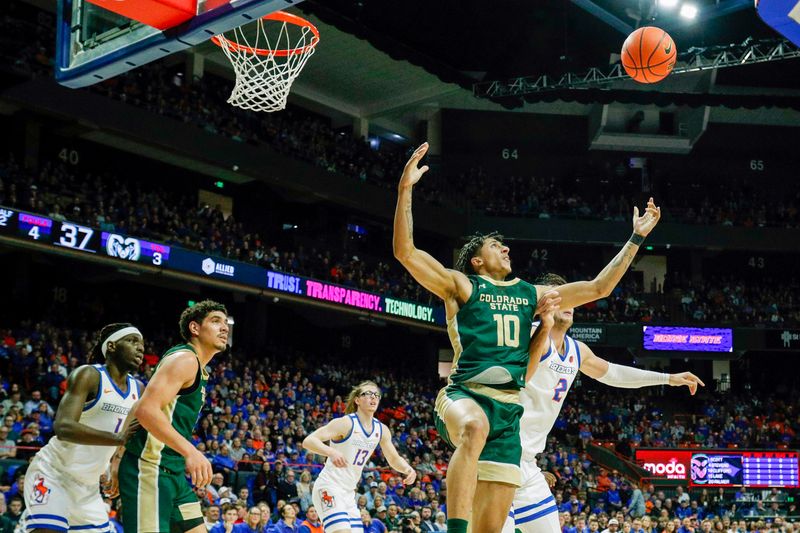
(267, 63)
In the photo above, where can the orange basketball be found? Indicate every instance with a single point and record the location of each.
(648, 54)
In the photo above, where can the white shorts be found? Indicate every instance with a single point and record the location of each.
(59, 502)
(336, 508)
(534, 509)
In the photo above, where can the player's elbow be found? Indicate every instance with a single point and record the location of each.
(402, 252)
(306, 442)
(601, 289)
(63, 429)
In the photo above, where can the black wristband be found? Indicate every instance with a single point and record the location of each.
(636, 239)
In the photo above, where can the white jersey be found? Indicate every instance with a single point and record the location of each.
(544, 394)
(106, 412)
(357, 448)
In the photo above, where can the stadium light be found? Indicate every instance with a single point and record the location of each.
(668, 4)
(688, 11)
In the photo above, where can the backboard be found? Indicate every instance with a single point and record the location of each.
(94, 43)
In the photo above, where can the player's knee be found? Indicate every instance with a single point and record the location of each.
(475, 431)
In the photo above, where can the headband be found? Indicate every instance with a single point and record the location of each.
(117, 335)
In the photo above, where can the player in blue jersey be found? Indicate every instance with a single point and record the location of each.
(534, 508)
(62, 489)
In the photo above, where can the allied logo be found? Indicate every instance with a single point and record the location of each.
(209, 266)
(40, 491)
(328, 502)
(123, 248)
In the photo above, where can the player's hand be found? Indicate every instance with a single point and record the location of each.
(111, 486)
(643, 225)
(337, 459)
(412, 173)
(688, 379)
(550, 478)
(546, 308)
(411, 476)
(129, 432)
(198, 468)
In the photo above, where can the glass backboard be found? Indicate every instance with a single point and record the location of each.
(94, 43)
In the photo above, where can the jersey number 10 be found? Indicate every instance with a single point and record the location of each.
(507, 330)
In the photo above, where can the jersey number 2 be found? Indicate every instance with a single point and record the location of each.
(361, 457)
(561, 388)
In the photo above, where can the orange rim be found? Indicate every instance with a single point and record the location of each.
(279, 16)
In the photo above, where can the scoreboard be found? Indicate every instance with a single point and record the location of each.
(724, 468)
(41, 229)
(20, 225)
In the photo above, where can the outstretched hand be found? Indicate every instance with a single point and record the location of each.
(546, 307)
(643, 225)
(412, 173)
(688, 379)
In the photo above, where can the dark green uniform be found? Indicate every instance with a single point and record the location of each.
(490, 335)
(156, 497)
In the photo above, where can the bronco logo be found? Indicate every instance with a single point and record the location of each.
(41, 492)
(327, 500)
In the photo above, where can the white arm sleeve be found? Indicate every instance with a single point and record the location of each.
(627, 377)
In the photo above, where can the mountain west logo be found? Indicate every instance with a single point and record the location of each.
(209, 266)
(122, 247)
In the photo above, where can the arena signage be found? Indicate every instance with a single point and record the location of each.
(678, 338)
(669, 464)
(595, 334)
(783, 339)
(65, 234)
(722, 468)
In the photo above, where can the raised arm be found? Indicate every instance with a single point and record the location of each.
(80, 384)
(582, 292)
(540, 338)
(445, 283)
(628, 377)
(394, 459)
(174, 374)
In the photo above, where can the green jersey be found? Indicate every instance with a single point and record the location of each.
(491, 333)
(183, 412)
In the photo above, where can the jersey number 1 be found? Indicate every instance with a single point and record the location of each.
(506, 334)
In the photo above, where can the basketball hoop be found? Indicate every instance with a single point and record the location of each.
(266, 69)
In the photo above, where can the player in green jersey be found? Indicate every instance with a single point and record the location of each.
(489, 320)
(156, 496)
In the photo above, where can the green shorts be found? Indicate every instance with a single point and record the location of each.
(155, 500)
(499, 461)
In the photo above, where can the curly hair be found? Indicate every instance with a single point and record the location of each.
(471, 249)
(197, 313)
(550, 280)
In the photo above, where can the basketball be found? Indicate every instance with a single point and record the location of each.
(648, 54)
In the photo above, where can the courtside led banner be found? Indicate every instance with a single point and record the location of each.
(65, 234)
(677, 338)
(722, 468)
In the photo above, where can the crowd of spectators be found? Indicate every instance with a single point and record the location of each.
(146, 210)
(259, 410)
(602, 193)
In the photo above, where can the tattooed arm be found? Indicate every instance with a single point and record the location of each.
(449, 285)
(582, 292)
